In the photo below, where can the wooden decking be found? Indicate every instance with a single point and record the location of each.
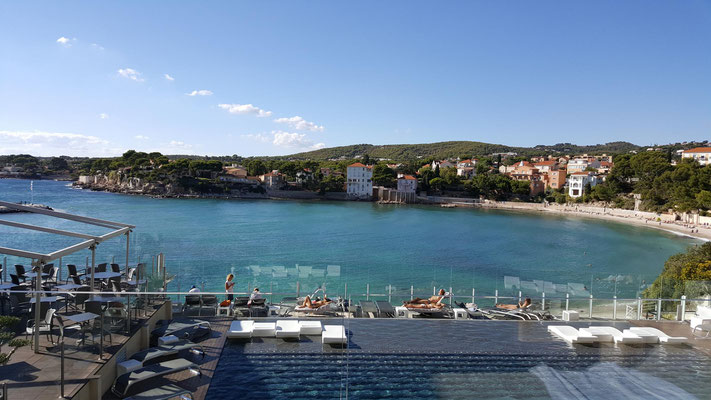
(679, 329)
(36, 376)
(213, 348)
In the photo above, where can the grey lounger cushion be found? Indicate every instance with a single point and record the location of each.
(165, 350)
(124, 382)
(163, 393)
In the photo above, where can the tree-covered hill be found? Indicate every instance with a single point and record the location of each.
(399, 152)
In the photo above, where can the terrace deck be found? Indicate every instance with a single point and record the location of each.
(33, 376)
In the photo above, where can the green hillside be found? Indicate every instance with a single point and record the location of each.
(399, 152)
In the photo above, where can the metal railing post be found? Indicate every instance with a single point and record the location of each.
(683, 307)
(659, 309)
(367, 291)
(128, 237)
(451, 296)
(543, 301)
(590, 312)
(61, 369)
(59, 272)
(390, 293)
(567, 301)
(38, 292)
(4, 390)
(298, 289)
(473, 293)
(519, 296)
(4, 269)
(496, 296)
(614, 307)
(639, 308)
(412, 292)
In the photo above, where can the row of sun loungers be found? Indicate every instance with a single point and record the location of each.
(608, 334)
(287, 329)
(125, 382)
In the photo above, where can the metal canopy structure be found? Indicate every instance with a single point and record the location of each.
(39, 259)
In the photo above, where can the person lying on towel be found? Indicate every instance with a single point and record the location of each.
(316, 303)
(525, 304)
(432, 302)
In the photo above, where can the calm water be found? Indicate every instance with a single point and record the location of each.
(388, 248)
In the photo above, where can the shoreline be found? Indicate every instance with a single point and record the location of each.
(698, 232)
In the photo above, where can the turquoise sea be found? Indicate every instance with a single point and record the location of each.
(354, 247)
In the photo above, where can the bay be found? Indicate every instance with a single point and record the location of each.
(355, 246)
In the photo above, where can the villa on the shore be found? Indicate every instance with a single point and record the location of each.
(578, 181)
(359, 182)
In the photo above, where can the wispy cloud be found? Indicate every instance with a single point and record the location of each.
(202, 92)
(168, 77)
(131, 74)
(178, 146)
(104, 116)
(286, 139)
(259, 137)
(47, 144)
(65, 41)
(245, 109)
(97, 47)
(141, 137)
(299, 123)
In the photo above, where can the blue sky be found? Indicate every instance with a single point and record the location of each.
(270, 78)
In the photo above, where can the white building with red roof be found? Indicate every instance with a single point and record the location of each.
(701, 154)
(359, 181)
(407, 184)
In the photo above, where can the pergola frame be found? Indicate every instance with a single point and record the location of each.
(39, 259)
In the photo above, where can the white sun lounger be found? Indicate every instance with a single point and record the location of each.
(661, 336)
(240, 330)
(288, 328)
(611, 334)
(264, 329)
(310, 327)
(572, 335)
(334, 334)
(647, 337)
(165, 392)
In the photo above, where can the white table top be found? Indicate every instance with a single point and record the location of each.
(79, 318)
(34, 274)
(105, 275)
(68, 286)
(6, 286)
(47, 299)
(107, 299)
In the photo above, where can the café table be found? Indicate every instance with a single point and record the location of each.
(106, 275)
(80, 319)
(104, 300)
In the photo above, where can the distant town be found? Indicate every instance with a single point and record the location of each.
(634, 179)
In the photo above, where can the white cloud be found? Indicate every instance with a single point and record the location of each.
(300, 124)
(202, 92)
(47, 144)
(104, 116)
(168, 77)
(245, 109)
(296, 140)
(176, 146)
(97, 47)
(65, 41)
(131, 74)
(141, 137)
(259, 137)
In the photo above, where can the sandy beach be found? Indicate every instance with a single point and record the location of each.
(695, 231)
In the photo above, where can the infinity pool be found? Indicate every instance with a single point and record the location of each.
(416, 359)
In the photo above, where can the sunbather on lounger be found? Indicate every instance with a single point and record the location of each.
(316, 303)
(430, 301)
(427, 306)
(525, 304)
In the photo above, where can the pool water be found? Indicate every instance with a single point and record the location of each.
(451, 360)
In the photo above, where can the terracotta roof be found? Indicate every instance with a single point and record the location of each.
(699, 150)
(356, 165)
(543, 163)
(409, 178)
(581, 173)
(465, 161)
